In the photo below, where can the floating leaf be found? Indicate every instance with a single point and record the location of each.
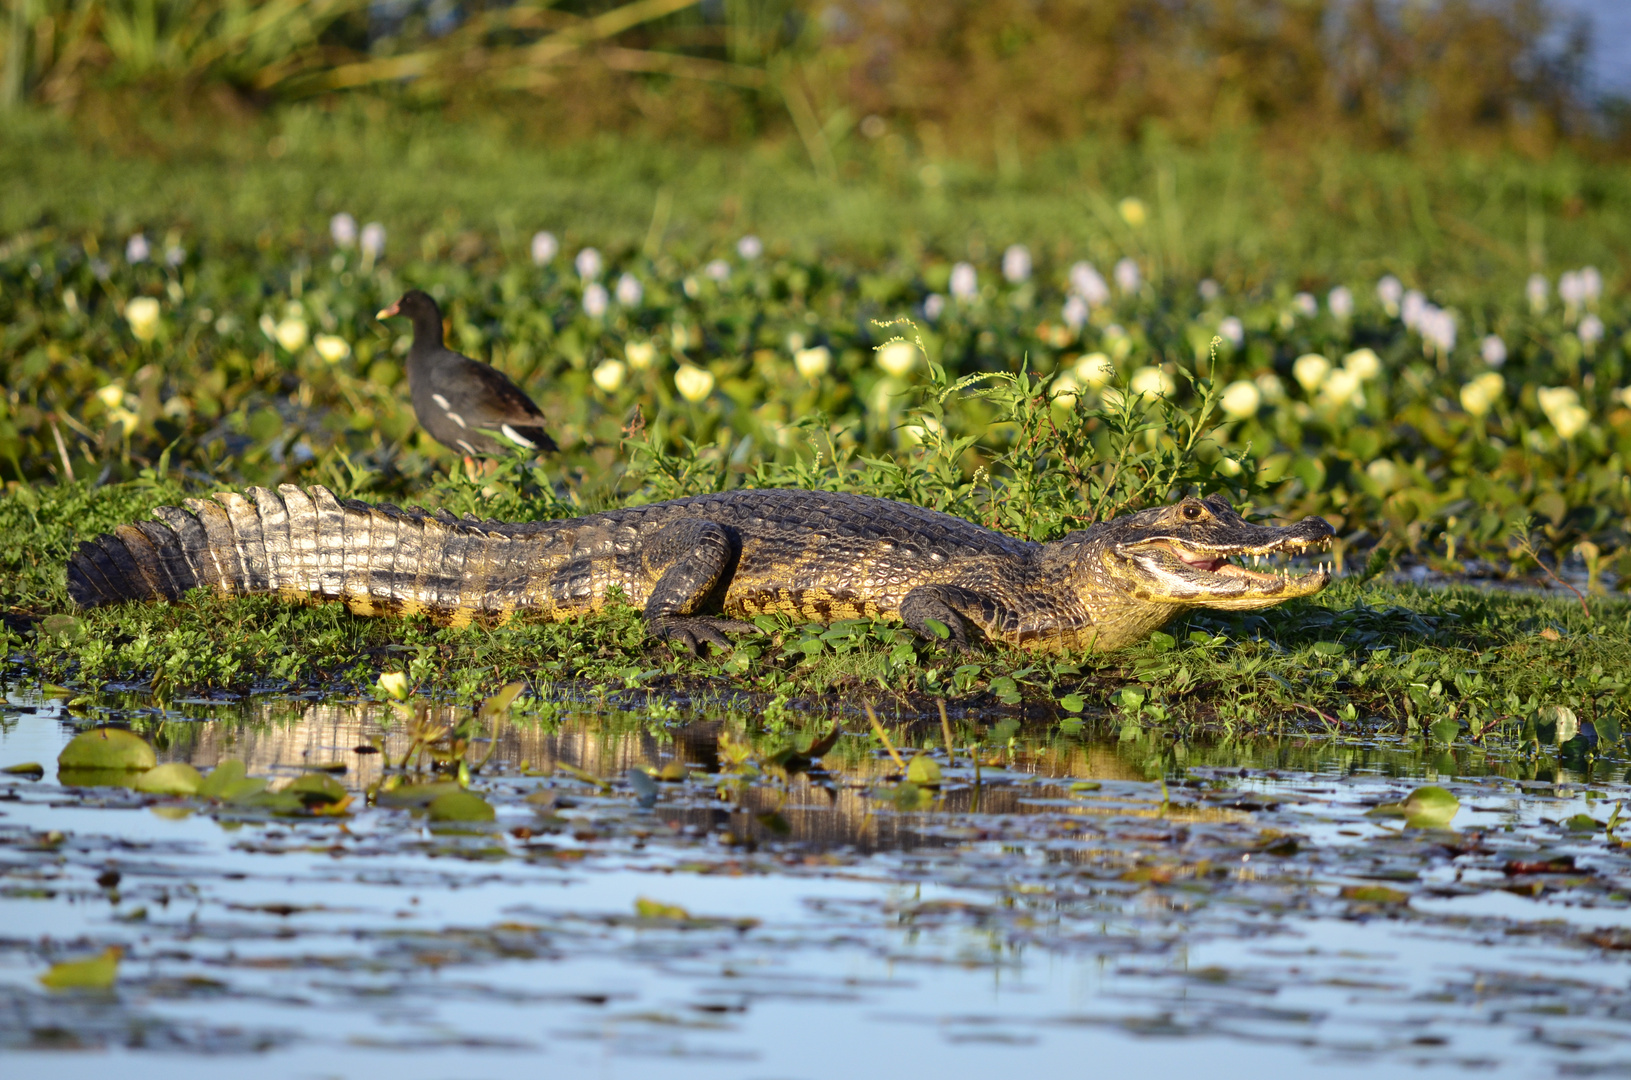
(673, 772)
(315, 789)
(1073, 703)
(1582, 823)
(221, 778)
(923, 771)
(122, 778)
(33, 770)
(95, 973)
(1374, 894)
(413, 795)
(1429, 807)
(647, 908)
(908, 797)
(460, 806)
(1086, 785)
(499, 704)
(107, 748)
(171, 778)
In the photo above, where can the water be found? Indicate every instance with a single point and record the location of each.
(1080, 912)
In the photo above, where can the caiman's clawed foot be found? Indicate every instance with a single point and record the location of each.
(924, 607)
(693, 633)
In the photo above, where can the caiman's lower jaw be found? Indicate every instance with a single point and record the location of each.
(1184, 575)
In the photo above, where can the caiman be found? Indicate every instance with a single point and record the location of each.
(815, 555)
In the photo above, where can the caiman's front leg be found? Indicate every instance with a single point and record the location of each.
(951, 605)
(688, 560)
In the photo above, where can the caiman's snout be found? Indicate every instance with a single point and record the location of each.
(1201, 552)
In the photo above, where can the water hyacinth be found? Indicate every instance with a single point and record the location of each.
(587, 264)
(1087, 283)
(142, 313)
(1133, 211)
(1074, 312)
(544, 248)
(640, 354)
(1482, 392)
(174, 255)
(934, 306)
(1437, 329)
(1390, 291)
(342, 229)
(1306, 305)
(1232, 330)
(608, 375)
(750, 247)
(897, 358)
(331, 348)
(372, 241)
(137, 250)
(717, 270)
(1493, 350)
(693, 383)
(965, 283)
(1590, 331)
(1310, 370)
(1095, 370)
(1412, 308)
(1364, 364)
(812, 363)
(1241, 399)
(1562, 407)
(1209, 290)
(1127, 275)
(1580, 288)
(1149, 382)
(595, 300)
(1016, 264)
(629, 290)
(1340, 302)
(1537, 289)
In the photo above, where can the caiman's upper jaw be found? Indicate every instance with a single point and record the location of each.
(1195, 572)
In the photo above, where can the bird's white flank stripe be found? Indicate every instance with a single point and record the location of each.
(510, 433)
(456, 418)
(441, 402)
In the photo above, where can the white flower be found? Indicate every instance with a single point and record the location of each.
(1127, 275)
(813, 363)
(1148, 382)
(1118, 340)
(372, 240)
(1342, 387)
(1075, 312)
(1562, 407)
(137, 249)
(1016, 263)
(934, 305)
(1088, 283)
(595, 300)
(1383, 473)
(916, 434)
(1341, 302)
(342, 229)
(640, 354)
(897, 357)
(142, 313)
(1209, 290)
(111, 395)
(750, 247)
(1133, 212)
(1412, 309)
(1479, 395)
(608, 375)
(1095, 370)
(965, 283)
(544, 247)
(1241, 399)
(1305, 303)
(1364, 363)
(1536, 289)
(332, 348)
(1590, 331)
(1273, 389)
(1437, 328)
(1389, 291)
(1310, 370)
(1233, 331)
(1591, 284)
(175, 255)
(1570, 290)
(629, 290)
(1493, 350)
(693, 383)
(718, 270)
(1064, 390)
(588, 264)
(291, 333)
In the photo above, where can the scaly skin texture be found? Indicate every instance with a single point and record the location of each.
(810, 554)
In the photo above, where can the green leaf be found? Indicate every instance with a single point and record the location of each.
(107, 748)
(1374, 894)
(938, 629)
(315, 789)
(1582, 823)
(647, 908)
(65, 627)
(460, 806)
(1608, 730)
(414, 795)
(171, 778)
(923, 770)
(1446, 731)
(1073, 703)
(1160, 642)
(1429, 807)
(499, 704)
(221, 778)
(908, 796)
(33, 770)
(95, 973)
(1560, 720)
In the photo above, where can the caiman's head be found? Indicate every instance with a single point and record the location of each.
(1195, 553)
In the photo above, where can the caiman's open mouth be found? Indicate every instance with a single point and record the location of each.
(1238, 576)
(1216, 562)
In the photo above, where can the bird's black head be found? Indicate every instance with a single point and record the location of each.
(416, 304)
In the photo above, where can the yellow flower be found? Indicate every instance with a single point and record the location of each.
(1562, 407)
(812, 363)
(608, 375)
(1341, 387)
(1310, 370)
(1065, 390)
(915, 434)
(142, 313)
(693, 383)
(1133, 212)
(1479, 396)
(1148, 382)
(291, 333)
(1383, 473)
(640, 354)
(394, 684)
(1364, 363)
(125, 419)
(332, 348)
(897, 357)
(1241, 399)
(112, 395)
(1095, 369)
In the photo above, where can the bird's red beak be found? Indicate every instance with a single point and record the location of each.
(386, 313)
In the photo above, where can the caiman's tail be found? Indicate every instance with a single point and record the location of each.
(300, 544)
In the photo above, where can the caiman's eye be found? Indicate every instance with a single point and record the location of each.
(1191, 511)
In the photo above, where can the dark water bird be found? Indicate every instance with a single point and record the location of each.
(466, 405)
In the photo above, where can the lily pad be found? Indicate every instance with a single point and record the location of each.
(924, 771)
(95, 973)
(1429, 807)
(460, 806)
(647, 908)
(222, 778)
(107, 748)
(171, 778)
(1374, 894)
(315, 789)
(33, 770)
(408, 796)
